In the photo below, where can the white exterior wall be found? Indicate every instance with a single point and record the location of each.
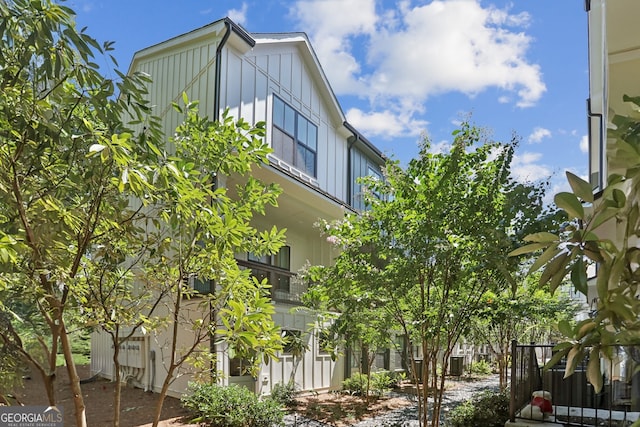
(248, 82)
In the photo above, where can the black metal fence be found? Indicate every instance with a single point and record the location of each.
(575, 401)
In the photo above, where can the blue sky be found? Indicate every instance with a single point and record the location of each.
(402, 69)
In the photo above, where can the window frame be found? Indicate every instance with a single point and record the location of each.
(304, 146)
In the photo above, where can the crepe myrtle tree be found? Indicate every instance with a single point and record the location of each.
(603, 230)
(432, 240)
(68, 161)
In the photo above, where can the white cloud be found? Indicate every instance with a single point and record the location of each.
(525, 167)
(331, 25)
(414, 51)
(385, 123)
(538, 135)
(239, 16)
(584, 144)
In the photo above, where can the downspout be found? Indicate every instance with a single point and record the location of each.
(350, 143)
(218, 70)
(231, 27)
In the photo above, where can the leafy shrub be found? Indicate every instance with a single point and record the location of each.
(484, 409)
(381, 381)
(481, 367)
(284, 394)
(356, 384)
(231, 406)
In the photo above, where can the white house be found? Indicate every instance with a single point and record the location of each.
(317, 158)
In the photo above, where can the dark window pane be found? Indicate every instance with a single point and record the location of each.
(238, 367)
(302, 130)
(289, 120)
(292, 341)
(282, 145)
(281, 259)
(278, 112)
(312, 137)
(263, 259)
(283, 283)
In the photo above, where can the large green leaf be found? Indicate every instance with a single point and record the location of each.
(528, 249)
(570, 204)
(541, 237)
(580, 187)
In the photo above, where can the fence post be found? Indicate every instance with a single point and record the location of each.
(512, 400)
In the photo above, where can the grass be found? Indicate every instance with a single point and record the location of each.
(80, 347)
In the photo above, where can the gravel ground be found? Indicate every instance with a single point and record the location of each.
(408, 417)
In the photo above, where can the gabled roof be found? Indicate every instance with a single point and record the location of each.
(242, 40)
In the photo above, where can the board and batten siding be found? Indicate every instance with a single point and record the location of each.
(189, 70)
(249, 82)
(360, 165)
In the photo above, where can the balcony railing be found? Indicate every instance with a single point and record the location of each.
(575, 402)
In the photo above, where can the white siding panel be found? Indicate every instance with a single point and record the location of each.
(248, 89)
(305, 93)
(296, 77)
(285, 70)
(274, 66)
(232, 93)
(261, 97)
(262, 62)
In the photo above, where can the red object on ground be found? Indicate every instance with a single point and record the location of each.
(543, 404)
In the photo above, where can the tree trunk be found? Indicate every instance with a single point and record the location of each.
(76, 390)
(162, 395)
(117, 379)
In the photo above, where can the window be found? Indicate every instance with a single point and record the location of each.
(294, 138)
(239, 367)
(276, 269)
(293, 343)
(375, 174)
(198, 284)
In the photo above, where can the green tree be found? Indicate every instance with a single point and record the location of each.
(58, 196)
(601, 231)
(527, 315)
(431, 243)
(204, 225)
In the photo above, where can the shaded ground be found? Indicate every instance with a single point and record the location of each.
(138, 406)
(342, 410)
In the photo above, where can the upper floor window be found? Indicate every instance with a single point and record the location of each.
(294, 138)
(375, 174)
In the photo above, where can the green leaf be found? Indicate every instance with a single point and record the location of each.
(546, 256)
(527, 249)
(541, 237)
(580, 187)
(579, 276)
(570, 204)
(565, 328)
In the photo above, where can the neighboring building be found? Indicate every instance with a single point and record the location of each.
(614, 67)
(317, 158)
(614, 70)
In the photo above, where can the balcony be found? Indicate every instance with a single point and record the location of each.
(574, 400)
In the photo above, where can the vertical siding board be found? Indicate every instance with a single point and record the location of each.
(296, 77)
(261, 97)
(274, 66)
(248, 89)
(233, 81)
(285, 70)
